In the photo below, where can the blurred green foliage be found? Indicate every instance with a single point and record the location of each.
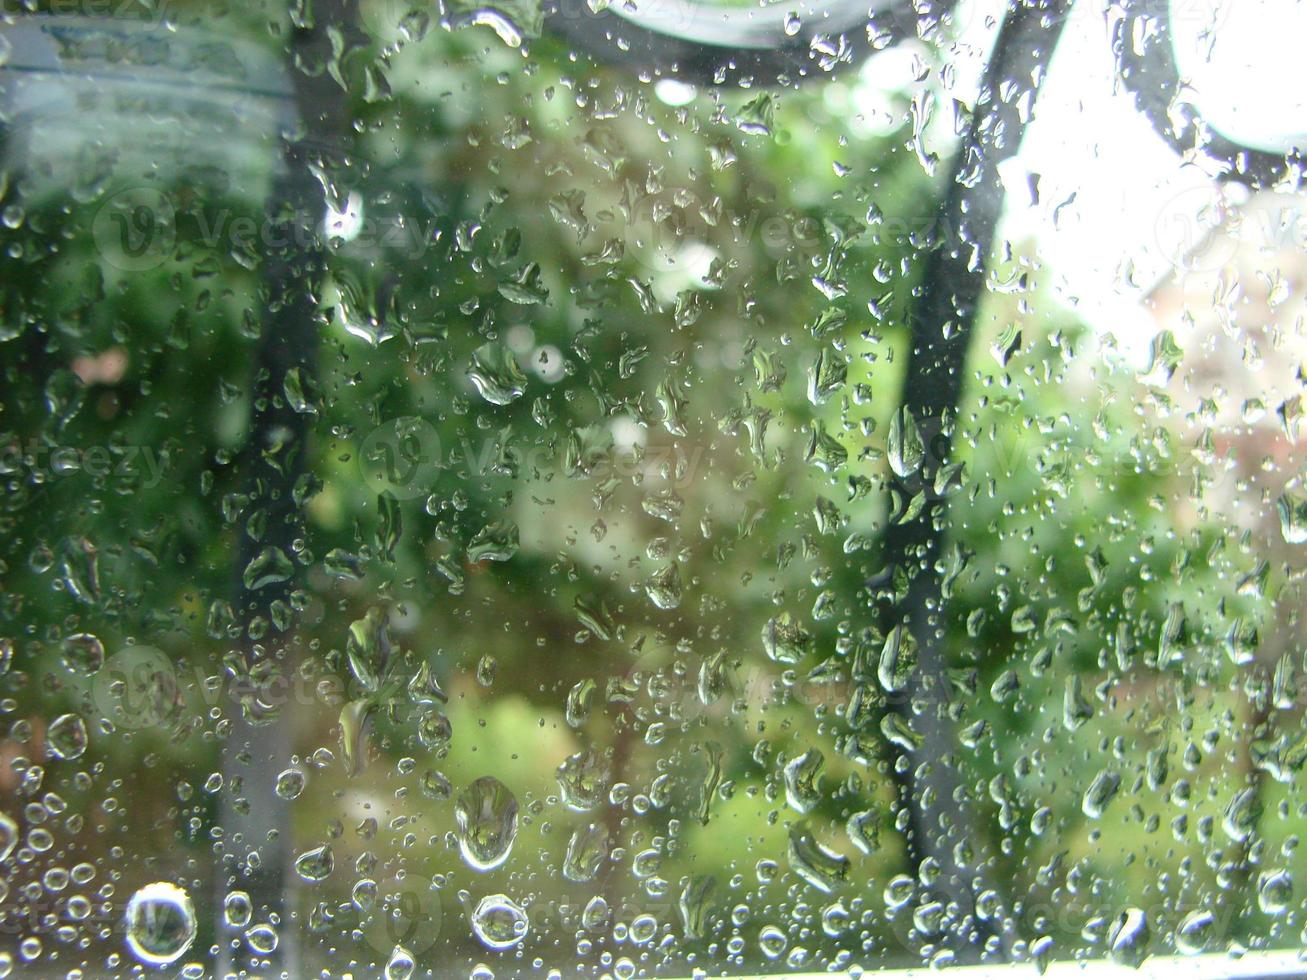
(665, 285)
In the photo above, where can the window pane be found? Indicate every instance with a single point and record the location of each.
(683, 490)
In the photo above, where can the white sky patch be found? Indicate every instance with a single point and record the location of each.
(1118, 209)
(671, 92)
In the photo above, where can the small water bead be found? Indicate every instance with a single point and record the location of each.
(499, 922)
(160, 923)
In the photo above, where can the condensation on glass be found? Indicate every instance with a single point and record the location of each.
(651, 489)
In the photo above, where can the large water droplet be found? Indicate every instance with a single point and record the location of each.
(499, 922)
(290, 783)
(586, 852)
(83, 653)
(237, 909)
(160, 923)
(486, 813)
(495, 374)
(816, 864)
(664, 587)
(317, 864)
(582, 778)
(1128, 941)
(1194, 932)
(1274, 892)
(401, 964)
(1101, 792)
(898, 659)
(66, 737)
(803, 780)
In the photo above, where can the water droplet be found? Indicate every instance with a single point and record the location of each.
(586, 852)
(1293, 517)
(66, 737)
(863, 829)
(83, 653)
(815, 863)
(268, 567)
(495, 374)
(290, 783)
(803, 780)
(1241, 815)
(401, 964)
(898, 659)
(262, 939)
(1195, 931)
(237, 909)
(595, 913)
(693, 904)
(582, 779)
(904, 448)
(1128, 941)
(1101, 792)
(160, 923)
(495, 542)
(1274, 891)
(317, 864)
(785, 640)
(664, 587)
(772, 942)
(499, 922)
(486, 813)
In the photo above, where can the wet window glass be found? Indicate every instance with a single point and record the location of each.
(652, 488)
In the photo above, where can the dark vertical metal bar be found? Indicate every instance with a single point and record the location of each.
(257, 840)
(931, 790)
